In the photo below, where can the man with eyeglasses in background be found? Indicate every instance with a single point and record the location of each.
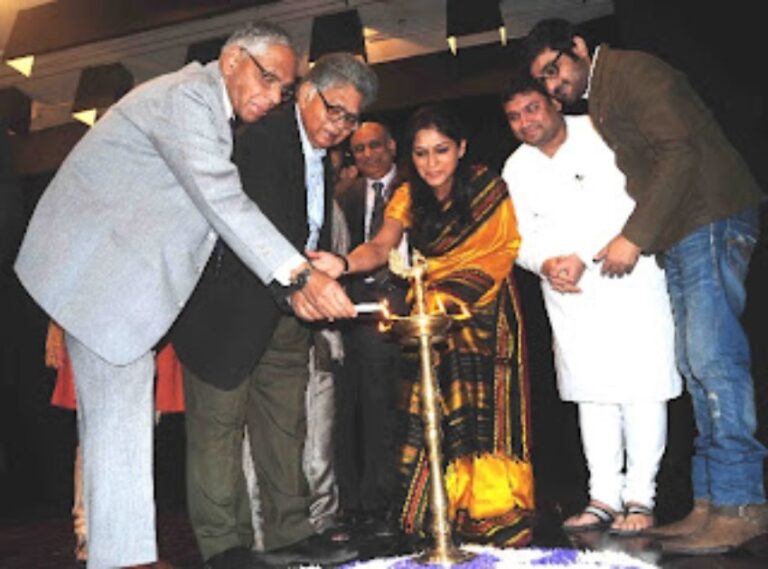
(697, 208)
(366, 390)
(246, 357)
(120, 238)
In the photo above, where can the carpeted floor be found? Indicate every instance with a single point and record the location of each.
(48, 544)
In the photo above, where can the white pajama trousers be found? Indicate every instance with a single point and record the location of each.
(623, 444)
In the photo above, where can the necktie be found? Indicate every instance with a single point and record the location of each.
(219, 248)
(377, 213)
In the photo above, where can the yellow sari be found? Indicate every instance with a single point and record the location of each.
(481, 372)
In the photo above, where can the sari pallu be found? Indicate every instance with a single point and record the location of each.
(481, 374)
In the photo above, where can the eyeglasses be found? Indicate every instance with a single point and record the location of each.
(373, 145)
(551, 69)
(337, 113)
(270, 79)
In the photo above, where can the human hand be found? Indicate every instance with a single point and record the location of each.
(330, 263)
(564, 272)
(322, 298)
(619, 257)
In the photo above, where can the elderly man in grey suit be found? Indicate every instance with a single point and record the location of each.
(118, 242)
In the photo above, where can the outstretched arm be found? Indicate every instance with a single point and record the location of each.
(365, 257)
(321, 297)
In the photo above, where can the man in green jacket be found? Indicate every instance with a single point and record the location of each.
(697, 206)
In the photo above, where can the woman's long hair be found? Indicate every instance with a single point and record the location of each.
(426, 212)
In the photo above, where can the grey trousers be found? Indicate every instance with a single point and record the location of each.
(318, 452)
(318, 448)
(115, 422)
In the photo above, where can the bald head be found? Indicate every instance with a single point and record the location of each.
(373, 149)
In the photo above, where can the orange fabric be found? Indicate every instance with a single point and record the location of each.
(169, 389)
(56, 357)
(64, 391)
(492, 248)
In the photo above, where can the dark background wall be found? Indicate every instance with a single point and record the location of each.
(716, 45)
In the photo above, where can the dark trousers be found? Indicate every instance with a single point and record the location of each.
(365, 417)
(271, 403)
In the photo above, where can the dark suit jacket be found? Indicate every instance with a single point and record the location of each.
(352, 202)
(681, 169)
(228, 322)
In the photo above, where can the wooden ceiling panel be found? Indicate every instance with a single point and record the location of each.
(71, 23)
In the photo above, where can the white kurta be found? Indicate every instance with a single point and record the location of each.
(613, 342)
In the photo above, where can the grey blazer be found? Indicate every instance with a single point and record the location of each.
(121, 235)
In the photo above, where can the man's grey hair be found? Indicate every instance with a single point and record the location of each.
(256, 37)
(337, 69)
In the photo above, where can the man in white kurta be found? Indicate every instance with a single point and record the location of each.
(613, 338)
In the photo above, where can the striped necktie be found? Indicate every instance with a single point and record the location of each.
(377, 213)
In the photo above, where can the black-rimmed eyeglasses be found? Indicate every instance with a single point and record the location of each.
(270, 79)
(337, 113)
(551, 69)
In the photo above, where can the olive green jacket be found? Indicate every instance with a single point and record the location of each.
(681, 170)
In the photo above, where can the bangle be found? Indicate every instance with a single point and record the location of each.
(344, 261)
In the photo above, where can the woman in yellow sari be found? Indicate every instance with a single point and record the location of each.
(462, 221)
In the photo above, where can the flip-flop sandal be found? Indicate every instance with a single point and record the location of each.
(634, 510)
(604, 519)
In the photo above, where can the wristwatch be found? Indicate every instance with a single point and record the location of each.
(300, 280)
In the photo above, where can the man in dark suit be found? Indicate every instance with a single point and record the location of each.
(366, 390)
(697, 205)
(245, 358)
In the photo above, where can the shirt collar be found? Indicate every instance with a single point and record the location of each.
(591, 72)
(306, 145)
(385, 179)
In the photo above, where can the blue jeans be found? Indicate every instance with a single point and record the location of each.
(705, 276)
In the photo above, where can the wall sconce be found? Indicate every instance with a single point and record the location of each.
(23, 65)
(98, 88)
(465, 17)
(342, 31)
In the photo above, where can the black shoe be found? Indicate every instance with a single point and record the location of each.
(314, 550)
(233, 558)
